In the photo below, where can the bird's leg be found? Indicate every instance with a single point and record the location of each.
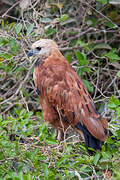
(53, 117)
(60, 135)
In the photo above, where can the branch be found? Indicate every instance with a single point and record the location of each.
(10, 9)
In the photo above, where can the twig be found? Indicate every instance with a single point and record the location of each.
(115, 78)
(79, 34)
(96, 85)
(78, 175)
(9, 107)
(94, 176)
(21, 84)
(100, 13)
(24, 101)
(10, 9)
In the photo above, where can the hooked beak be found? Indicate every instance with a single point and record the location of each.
(32, 52)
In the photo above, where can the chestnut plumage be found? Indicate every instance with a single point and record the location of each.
(63, 96)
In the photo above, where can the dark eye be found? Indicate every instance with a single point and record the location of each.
(38, 48)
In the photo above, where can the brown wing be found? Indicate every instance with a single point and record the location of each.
(65, 91)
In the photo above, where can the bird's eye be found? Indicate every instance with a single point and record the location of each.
(38, 48)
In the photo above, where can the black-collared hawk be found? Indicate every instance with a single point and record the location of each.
(63, 96)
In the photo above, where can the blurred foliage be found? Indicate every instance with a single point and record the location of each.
(87, 33)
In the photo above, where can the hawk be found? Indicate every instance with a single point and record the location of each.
(63, 96)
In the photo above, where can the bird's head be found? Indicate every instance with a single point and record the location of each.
(42, 48)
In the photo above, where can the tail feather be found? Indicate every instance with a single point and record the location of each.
(91, 142)
(97, 127)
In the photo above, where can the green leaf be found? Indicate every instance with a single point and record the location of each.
(27, 177)
(18, 28)
(88, 85)
(118, 134)
(64, 17)
(10, 66)
(112, 56)
(84, 45)
(69, 57)
(87, 69)
(92, 21)
(3, 41)
(111, 105)
(118, 74)
(29, 29)
(51, 141)
(83, 167)
(1, 117)
(81, 58)
(96, 159)
(3, 66)
(19, 69)
(109, 24)
(102, 1)
(46, 171)
(11, 25)
(82, 147)
(114, 103)
(64, 159)
(50, 31)
(45, 20)
(73, 43)
(3, 23)
(81, 70)
(5, 55)
(22, 112)
(13, 45)
(102, 46)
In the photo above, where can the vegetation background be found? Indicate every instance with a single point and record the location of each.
(88, 34)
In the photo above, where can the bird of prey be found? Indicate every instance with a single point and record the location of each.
(63, 96)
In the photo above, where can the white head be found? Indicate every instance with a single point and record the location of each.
(43, 48)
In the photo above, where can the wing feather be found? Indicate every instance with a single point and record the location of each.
(62, 88)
